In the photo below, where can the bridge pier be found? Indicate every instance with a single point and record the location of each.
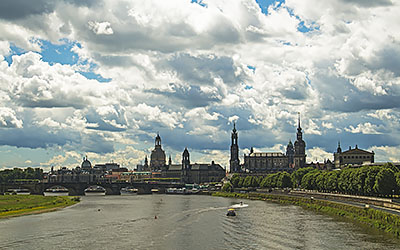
(144, 190)
(113, 190)
(76, 191)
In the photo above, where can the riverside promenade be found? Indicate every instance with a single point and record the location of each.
(384, 204)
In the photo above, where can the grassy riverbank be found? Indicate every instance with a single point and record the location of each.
(16, 205)
(371, 217)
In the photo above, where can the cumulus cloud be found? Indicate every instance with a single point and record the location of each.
(189, 71)
(8, 118)
(103, 28)
(366, 128)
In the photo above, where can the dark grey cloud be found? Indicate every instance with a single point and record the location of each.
(203, 69)
(17, 9)
(338, 94)
(191, 96)
(95, 143)
(112, 121)
(369, 3)
(34, 137)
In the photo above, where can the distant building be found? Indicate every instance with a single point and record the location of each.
(157, 157)
(326, 165)
(107, 166)
(186, 171)
(267, 162)
(270, 162)
(234, 163)
(354, 156)
(85, 173)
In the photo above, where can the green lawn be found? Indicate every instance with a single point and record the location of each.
(13, 205)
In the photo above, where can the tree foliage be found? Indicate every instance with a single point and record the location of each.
(366, 180)
(18, 173)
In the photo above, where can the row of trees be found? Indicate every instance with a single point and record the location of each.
(276, 180)
(8, 175)
(367, 180)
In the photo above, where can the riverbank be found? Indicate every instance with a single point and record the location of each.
(368, 216)
(17, 205)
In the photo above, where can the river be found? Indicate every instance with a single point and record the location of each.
(185, 222)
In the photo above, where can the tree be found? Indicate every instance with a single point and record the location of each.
(370, 179)
(385, 182)
(247, 181)
(297, 175)
(284, 180)
(235, 180)
(227, 187)
(331, 181)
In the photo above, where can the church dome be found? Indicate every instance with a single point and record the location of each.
(157, 157)
(86, 164)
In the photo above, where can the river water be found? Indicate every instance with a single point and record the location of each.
(185, 222)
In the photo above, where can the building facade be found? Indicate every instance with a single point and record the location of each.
(299, 148)
(186, 172)
(353, 156)
(234, 163)
(157, 157)
(271, 162)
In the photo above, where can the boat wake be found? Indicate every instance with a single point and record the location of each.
(240, 205)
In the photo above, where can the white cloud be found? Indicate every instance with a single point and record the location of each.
(8, 118)
(180, 67)
(103, 28)
(317, 154)
(386, 153)
(365, 128)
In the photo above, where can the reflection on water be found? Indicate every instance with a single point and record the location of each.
(184, 222)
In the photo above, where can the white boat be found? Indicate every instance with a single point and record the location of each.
(19, 191)
(129, 190)
(240, 205)
(95, 190)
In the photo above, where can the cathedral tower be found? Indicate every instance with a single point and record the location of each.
(234, 161)
(157, 157)
(185, 166)
(299, 148)
(290, 153)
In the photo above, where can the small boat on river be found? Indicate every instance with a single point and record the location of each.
(129, 190)
(231, 212)
(95, 190)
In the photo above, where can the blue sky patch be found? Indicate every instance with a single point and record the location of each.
(14, 50)
(264, 4)
(252, 68)
(61, 53)
(199, 2)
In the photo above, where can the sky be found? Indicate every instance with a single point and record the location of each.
(102, 77)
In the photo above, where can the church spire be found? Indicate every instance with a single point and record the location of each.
(234, 161)
(158, 140)
(339, 149)
(299, 118)
(299, 127)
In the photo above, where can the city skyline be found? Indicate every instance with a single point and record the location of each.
(100, 78)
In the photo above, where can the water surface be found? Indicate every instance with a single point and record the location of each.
(185, 222)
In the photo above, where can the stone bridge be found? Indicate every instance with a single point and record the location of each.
(78, 188)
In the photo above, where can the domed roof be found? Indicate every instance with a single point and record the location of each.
(86, 164)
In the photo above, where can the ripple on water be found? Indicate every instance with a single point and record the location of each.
(184, 222)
